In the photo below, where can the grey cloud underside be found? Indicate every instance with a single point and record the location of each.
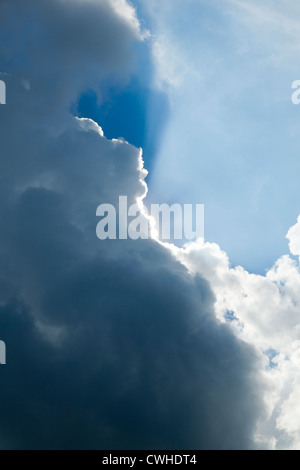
(110, 344)
(142, 364)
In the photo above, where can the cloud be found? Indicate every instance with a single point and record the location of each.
(121, 344)
(110, 344)
(264, 312)
(118, 345)
(140, 363)
(59, 44)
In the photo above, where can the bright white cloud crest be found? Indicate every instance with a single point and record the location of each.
(262, 310)
(265, 312)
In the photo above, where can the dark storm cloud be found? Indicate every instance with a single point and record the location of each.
(141, 364)
(109, 344)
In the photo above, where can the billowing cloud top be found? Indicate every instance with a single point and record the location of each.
(64, 46)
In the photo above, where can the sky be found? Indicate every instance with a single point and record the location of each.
(139, 344)
(214, 116)
(232, 141)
